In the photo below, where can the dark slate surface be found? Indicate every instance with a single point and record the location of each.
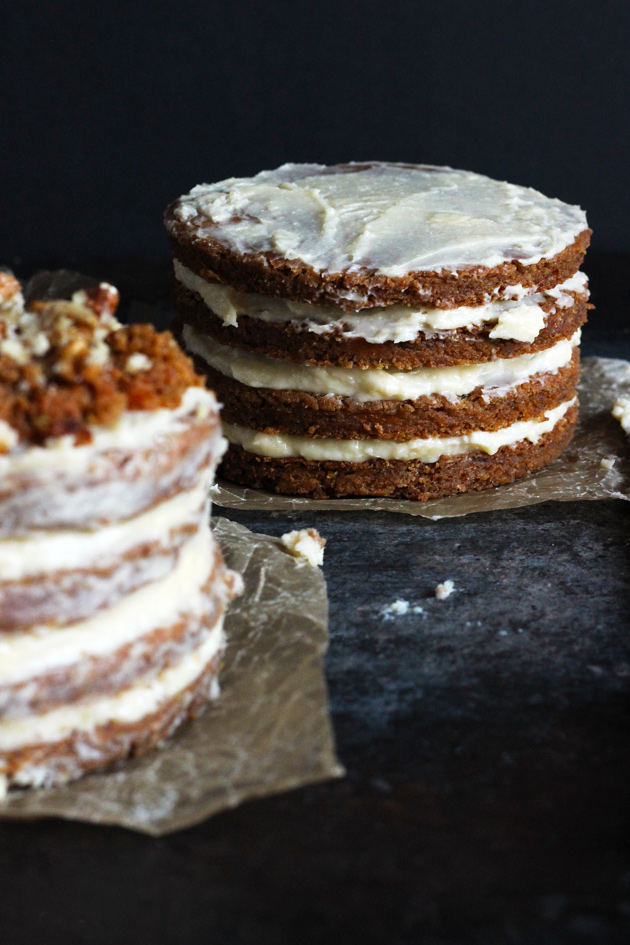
(486, 742)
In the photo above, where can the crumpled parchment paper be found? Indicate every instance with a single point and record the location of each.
(269, 730)
(577, 474)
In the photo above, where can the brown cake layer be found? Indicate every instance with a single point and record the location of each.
(342, 418)
(88, 751)
(273, 275)
(109, 673)
(62, 597)
(121, 483)
(290, 343)
(404, 479)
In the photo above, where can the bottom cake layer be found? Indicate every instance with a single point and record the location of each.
(63, 744)
(469, 471)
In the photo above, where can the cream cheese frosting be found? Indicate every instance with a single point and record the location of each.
(371, 384)
(32, 652)
(40, 552)
(127, 707)
(520, 319)
(391, 219)
(427, 449)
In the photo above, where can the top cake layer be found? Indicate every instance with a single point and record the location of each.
(361, 235)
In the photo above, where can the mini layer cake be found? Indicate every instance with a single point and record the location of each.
(382, 329)
(112, 589)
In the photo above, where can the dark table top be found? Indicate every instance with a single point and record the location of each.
(486, 744)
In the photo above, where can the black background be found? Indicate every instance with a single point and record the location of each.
(110, 111)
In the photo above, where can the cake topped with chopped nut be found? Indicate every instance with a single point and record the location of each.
(69, 365)
(112, 587)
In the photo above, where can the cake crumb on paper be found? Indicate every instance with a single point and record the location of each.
(444, 590)
(607, 463)
(306, 544)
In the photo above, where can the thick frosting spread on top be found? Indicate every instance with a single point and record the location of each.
(391, 219)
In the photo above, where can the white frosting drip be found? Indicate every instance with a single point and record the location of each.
(140, 700)
(427, 450)
(370, 384)
(388, 218)
(520, 319)
(40, 649)
(39, 552)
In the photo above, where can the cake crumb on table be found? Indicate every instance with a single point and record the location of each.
(307, 544)
(444, 590)
(396, 608)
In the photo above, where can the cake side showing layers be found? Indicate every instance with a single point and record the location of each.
(296, 413)
(401, 479)
(112, 589)
(303, 331)
(468, 383)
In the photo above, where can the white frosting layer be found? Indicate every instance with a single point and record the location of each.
(41, 552)
(427, 450)
(521, 318)
(370, 384)
(388, 218)
(130, 706)
(41, 649)
(621, 412)
(135, 430)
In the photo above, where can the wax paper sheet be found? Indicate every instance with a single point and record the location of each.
(268, 731)
(595, 466)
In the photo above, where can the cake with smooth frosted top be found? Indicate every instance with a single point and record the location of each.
(382, 329)
(112, 589)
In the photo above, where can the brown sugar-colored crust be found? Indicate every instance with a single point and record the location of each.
(273, 275)
(290, 343)
(82, 752)
(141, 480)
(58, 598)
(110, 673)
(402, 479)
(62, 393)
(302, 414)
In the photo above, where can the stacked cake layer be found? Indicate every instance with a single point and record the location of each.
(382, 329)
(112, 588)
